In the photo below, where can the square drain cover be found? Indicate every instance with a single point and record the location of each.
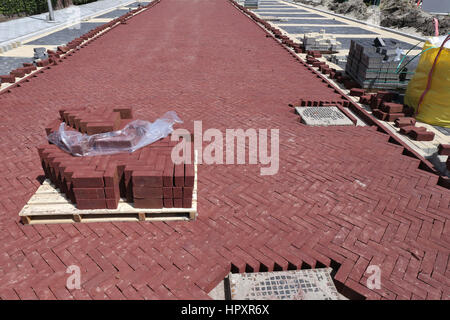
(311, 284)
(323, 116)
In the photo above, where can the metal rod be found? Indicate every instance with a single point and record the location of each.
(51, 15)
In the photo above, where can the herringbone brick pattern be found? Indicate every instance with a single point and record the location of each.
(343, 197)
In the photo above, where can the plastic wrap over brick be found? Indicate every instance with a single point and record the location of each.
(148, 177)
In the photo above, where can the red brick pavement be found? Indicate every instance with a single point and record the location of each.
(343, 197)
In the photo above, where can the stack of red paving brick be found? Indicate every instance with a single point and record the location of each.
(385, 109)
(92, 122)
(383, 105)
(159, 183)
(147, 177)
(154, 181)
(84, 180)
(389, 111)
(408, 127)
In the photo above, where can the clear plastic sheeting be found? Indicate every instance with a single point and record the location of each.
(133, 136)
(437, 41)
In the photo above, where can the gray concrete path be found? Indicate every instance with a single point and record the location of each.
(20, 29)
(70, 23)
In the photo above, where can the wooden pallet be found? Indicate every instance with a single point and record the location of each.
(49, 205)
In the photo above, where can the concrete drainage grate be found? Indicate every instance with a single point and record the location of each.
(323, 116)
(311, 284)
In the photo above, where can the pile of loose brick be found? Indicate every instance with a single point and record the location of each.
(408, 127)
(385, 106)
(88, 121)
(54, 56)
(148, 177)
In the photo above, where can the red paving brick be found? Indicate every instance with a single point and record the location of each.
(342, 196)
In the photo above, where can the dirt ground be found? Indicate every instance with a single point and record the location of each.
(399, 14)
